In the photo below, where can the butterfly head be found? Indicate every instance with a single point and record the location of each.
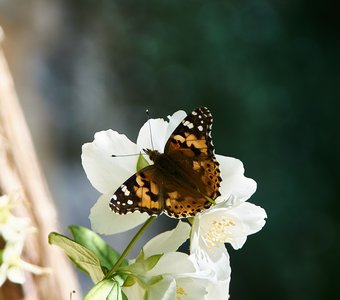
(153, 154)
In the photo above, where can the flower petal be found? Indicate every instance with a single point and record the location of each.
(134, 291)
(216, 260)
(174, 121)
(252, 218)
(105, 172)
(168, 241)
(218, 290)
(160, 130)
(16, 274)
(173, 263)
(163, 290)
(191, 288)
(3, 272)
(233, 180)
(104, 221)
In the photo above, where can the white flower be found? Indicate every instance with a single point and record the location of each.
(229, 221)
(14, 231)
(227, 224)
(107, 173)
(13, 267)
(175, 275)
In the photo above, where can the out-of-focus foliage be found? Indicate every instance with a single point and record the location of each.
(269, 72)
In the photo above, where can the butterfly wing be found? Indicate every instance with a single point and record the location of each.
(139, 192)
(190, 146)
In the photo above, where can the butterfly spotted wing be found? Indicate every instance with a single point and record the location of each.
(182, 179)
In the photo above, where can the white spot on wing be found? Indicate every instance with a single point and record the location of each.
(129, 202)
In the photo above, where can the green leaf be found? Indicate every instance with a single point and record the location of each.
(82, 257)
(87, 238)
(107, 289)
(142, 162)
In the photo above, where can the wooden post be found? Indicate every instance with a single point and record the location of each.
(20, 173)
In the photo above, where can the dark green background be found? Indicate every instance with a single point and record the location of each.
(268, 71)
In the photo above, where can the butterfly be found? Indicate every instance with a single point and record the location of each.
(183, 179)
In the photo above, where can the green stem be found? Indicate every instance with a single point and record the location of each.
(129, 246)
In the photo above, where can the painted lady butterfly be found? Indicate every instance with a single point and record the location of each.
(181, 180)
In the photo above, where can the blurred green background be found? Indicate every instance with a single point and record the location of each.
(268, 71)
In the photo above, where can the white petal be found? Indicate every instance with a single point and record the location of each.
(173, 263)
(215, 261)
(168, 241)
(252, 218)
(104, 221)
(134, 292)
(218, 290)
(105, 172)
(189, 288)
(161, 131)
(163, 290)
(233, 180)
(158, 131)
(174, 121)
(3, 273)
(16, 274)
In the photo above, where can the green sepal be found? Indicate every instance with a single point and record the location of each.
(130, 281)
(212, 201)
(191, 220)
(83, 258)
(141, 163)
(141, 266)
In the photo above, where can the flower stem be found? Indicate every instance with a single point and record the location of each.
(129, 246)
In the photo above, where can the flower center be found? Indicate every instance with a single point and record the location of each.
(219, 232)
(180, 292)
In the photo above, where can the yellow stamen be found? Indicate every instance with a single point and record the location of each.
(180, 292)
(219, 233)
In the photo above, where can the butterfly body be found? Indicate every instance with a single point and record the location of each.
(182, 179)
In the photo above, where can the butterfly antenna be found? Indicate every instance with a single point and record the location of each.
(71, 293)
(148, 115)
(127, 155)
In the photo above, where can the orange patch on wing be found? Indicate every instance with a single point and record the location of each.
(154, 188)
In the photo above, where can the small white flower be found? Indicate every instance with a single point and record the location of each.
(14, 231)
(13, 267)
(228, 224)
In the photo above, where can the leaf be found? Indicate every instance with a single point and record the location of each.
(142, 162)
(107, 289)
(92, 241)
(82, 257)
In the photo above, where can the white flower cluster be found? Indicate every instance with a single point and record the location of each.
(205, 272)
(13, 231)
